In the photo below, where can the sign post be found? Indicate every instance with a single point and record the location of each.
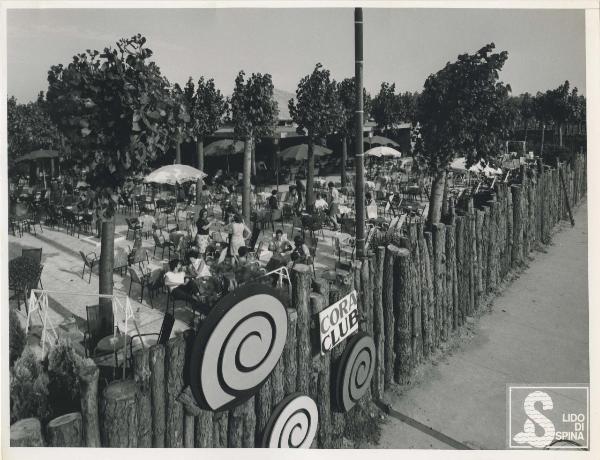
(338, 321)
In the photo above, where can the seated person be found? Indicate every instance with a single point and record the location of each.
(242, 257)
(320, 203)
(301, 252)
(273, 202)
(279, 244)
(369, 199)
(178, 284)
(197, 267)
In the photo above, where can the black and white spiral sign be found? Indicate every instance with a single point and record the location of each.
(354, 371)
(293, 423)
(237, 347)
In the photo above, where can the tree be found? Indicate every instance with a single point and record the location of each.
(560, 108)
(29, 127)
(116, 110)
(254, 115)
(541, 110)
(463, 110)
(347, 96)
(386, 108)
(180, 123)
(526, 110)
(318, 112)
(208, 109)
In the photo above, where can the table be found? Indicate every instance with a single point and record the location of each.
(117, 345)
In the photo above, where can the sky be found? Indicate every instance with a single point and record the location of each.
(545, 47)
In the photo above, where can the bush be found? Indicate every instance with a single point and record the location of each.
(363, 425)
(28, 388)
(63, 372)
(16, 336)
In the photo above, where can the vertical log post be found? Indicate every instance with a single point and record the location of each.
(157, 389)
(416, 327)
(517, 253)
(220, 429)
(141, 375)
(439, 275)
(66, 430)
(290, 361)
(378, 385)
(389, 319)
(451, 308)
(460, 269)
(174, 361)
(119, 422)
(426, 294)
(402, 311)
(26, 432)
(301, 281)
(88, 387)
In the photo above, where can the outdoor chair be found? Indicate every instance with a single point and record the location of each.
(162, 245)
(97, 328)
(297, 225)
(136, 279)
(133, 225)
(162, 337)
(33, 253)
(89, 261)
(344, 246)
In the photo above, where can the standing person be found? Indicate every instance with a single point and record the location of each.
(301, 252)
(203, 225)
(238, 232)
(334, 202)
(301, 189)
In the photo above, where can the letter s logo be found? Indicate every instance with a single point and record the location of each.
(528, 436)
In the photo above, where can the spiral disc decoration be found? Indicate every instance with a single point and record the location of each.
(293, 423)
(354, 371)
(237, 347)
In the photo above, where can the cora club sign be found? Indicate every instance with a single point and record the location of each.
(338, 321)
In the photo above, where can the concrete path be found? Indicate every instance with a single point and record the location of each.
(536, 332)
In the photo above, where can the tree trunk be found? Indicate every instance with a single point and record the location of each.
(253, 161)
(247, 171)
(445, 197)
(178, 152)
(119, 415)
(107, 261)
(26, 433)
(344, 160)
(435, 200)
(66, 430)
(310, 177)
(200, 153)
(543, 134)
(560, 134)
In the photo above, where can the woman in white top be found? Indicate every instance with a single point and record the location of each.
(237, 234)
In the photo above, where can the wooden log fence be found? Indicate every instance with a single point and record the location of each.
(411, 299)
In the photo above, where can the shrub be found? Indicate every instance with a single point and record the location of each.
(16, 336)
(28, 388)
(63, 367)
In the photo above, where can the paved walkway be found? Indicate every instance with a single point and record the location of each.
(536, 332)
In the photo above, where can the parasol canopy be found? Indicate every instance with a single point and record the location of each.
(383, 152)
(381, 140)
(459, 164)
(300, 152)
(172, 174)
(38, 155)
(224, 147)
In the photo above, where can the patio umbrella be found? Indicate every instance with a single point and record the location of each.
(300, 152)
(459, 164)
(38, 155)
(380, 140)
(173, 174)
(383, 152)
(223, 147)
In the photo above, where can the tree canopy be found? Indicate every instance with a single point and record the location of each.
(115, 107)
(30, 128)
(317, 109)
(253, 108)
(463, 109)
(208, 107)
(347, 97)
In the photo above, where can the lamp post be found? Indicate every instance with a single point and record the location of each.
(359, 201)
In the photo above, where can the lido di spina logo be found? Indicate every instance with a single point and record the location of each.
(553, 417)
